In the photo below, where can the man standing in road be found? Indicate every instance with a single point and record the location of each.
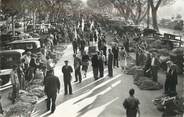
(110, 63)
(52, 86)
(82, 46)
(77, 67)
(131, 104)
(74, 43)
(115, 51)
(67, 70)
(95, 65)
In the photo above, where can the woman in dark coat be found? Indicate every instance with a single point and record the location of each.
(174, 79)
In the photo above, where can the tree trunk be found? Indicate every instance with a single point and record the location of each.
(154, 19)
(148, 15)
(24, 23)
(34, 20)
(13, 26)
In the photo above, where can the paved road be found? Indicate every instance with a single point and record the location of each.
(101, 98)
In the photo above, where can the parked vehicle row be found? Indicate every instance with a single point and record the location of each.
(7, 59)
(12, 50)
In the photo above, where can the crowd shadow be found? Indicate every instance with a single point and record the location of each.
(88, 98)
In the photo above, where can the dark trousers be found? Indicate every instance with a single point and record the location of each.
(173, 89)
(110, 70)
(101, 70)
(82, 50)
(95, 72)
(51, 99)
(75, 50)
(154, 71)
(67, 84)
(78, 76)
(15, 93)
(166, 86)
(116, 62)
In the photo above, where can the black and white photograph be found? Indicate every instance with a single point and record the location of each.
(91, 58)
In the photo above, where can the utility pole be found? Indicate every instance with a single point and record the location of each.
(148, 14)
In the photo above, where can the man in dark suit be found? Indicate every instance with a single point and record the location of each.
(115, 51)
(67, 70)
(77, 67)
(74, 43)
(82, 46)
(110, 63)
(52, 86)
(94, 61)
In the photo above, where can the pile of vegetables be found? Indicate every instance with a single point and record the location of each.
(145, 83)
(169, 105)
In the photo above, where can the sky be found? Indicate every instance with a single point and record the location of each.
(172, 10)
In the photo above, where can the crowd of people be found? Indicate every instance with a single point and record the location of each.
(152, 64)
(104, 56)
(28, 68)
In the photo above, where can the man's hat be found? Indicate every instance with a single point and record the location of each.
(66, 61)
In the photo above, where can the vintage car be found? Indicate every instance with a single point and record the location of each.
(7, 59)
(27, 45)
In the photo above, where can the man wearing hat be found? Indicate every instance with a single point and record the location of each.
(77, 67)
(52, 86)
(67, 70)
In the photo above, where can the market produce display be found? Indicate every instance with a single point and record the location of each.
(20, 109)
(169, 105)
(145, 83)
(34, 90)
